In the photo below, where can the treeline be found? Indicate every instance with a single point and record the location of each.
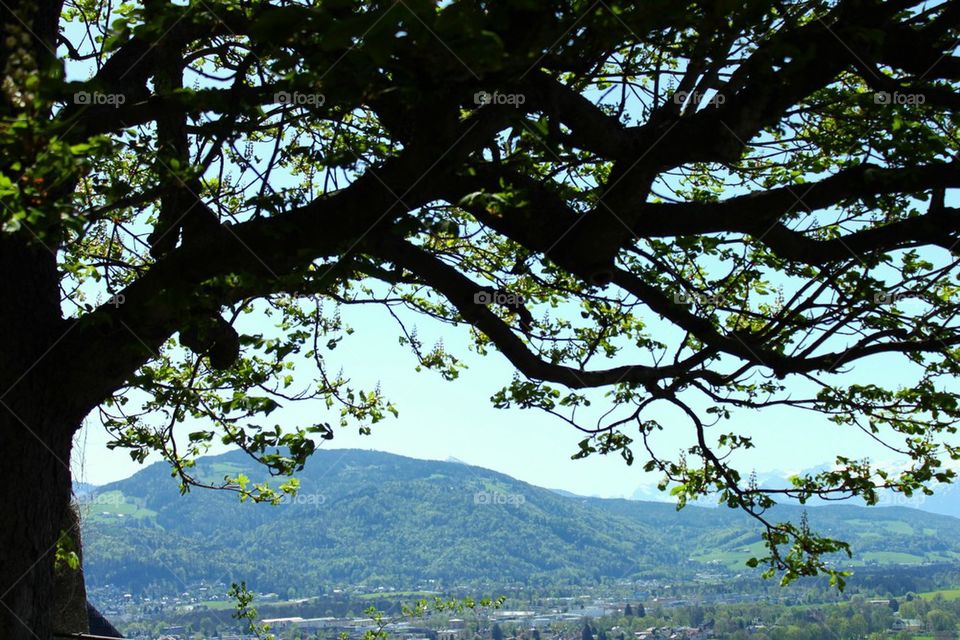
(860, 617)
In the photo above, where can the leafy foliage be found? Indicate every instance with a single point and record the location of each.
(702, 207)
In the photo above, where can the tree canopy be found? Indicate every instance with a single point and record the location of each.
(713, 206)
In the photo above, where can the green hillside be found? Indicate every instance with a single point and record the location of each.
(380, 519)
(879, 535)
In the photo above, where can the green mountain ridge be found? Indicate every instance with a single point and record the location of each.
(365, 517)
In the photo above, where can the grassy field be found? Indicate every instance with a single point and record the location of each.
(891, 557)
(219, 605)
(733, 557)
(947, 594)
(891, 526)
(413, 595)
(112, 505)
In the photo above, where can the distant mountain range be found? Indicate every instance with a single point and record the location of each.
(944, 501)
(81, 489)
(364, 517)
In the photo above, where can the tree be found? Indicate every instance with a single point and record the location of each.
(641, 612)
(496, 632)
(741, 205)
(941, 621)
(696, 615)
(628, 610)
(586, 633)
(856, 626)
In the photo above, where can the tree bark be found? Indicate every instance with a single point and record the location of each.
(70, 592)
(38, 417)
(35, 494)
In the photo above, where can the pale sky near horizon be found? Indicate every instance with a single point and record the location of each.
(440, 419)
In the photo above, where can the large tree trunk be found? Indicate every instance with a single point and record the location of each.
(38, 417)
(35, 494)
(39, 411)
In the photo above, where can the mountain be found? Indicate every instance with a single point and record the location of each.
(81, 489)
(944, 501)
(365, 517)
(566, 494)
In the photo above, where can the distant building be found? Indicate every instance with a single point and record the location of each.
(906, 624)
(282, 623)
(301, 623)
(503, 615)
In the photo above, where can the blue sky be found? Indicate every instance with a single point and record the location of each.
(440, 419)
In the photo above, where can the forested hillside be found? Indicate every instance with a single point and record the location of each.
(372, 518)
